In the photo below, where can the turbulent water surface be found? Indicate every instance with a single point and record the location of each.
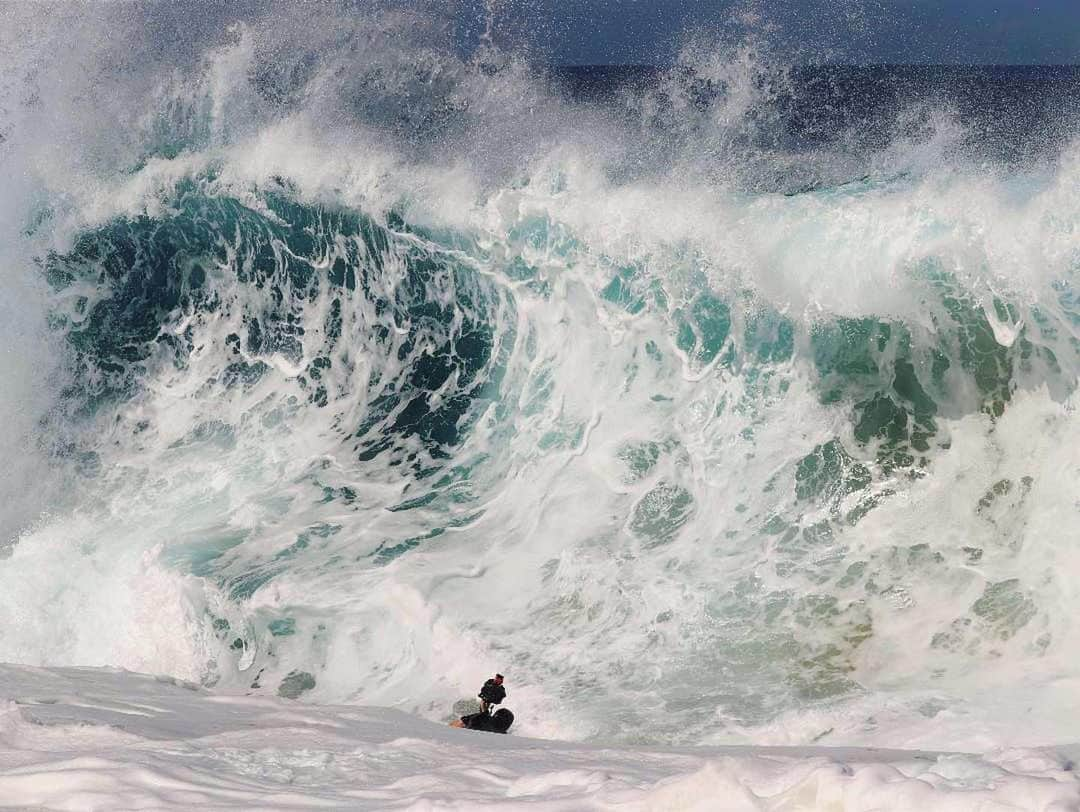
(718, 401)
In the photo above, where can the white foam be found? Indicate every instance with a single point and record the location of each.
(600, 623)
(76, 739)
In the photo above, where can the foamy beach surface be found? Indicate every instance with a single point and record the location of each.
(726, 403)
(81, 738)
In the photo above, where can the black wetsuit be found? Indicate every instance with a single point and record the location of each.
(499, 722)
(478, 721)
(492, 692)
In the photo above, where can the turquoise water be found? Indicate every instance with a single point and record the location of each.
(414, 369)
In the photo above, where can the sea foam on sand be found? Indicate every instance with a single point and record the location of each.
(87, 738)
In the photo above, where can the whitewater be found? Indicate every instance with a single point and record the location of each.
(727, 409)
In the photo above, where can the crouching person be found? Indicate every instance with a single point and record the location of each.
(498, 722)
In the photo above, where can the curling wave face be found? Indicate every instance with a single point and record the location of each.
(354, 371)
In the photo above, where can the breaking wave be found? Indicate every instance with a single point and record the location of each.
(346, 368)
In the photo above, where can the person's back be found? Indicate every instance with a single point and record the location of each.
(498, 722)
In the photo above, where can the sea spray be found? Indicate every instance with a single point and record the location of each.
(389, 368)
